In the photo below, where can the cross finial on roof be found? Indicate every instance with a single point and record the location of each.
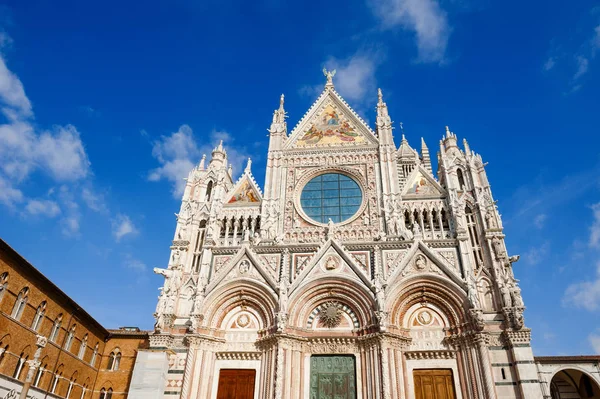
(329, 75)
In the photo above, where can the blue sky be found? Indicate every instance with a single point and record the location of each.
(105, 106)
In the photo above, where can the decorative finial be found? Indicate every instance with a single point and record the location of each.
(202, 161)
(380, 96)
(247, 170)
(329, 75)
(447, 131)
(281, 101)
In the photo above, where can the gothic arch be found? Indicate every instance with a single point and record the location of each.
(347, 292)
(249, 293)
(444, 294)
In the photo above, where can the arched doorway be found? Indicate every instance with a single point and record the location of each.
(573, 384)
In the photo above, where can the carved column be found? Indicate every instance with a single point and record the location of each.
(188, 371)
(486, 367)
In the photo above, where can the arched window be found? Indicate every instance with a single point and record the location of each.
(55, 328)
(3, 284)
(70, 337)
(209, 188)
(20, 365)
(39, 374)
(20, 303)
(474, 236)
(57, 377)
(39, 316)
(83, 347)
(114, 360)
(106, 394)
(94, 354)
(461, 179)
(71, 385)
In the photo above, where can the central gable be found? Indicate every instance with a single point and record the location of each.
(330, 122)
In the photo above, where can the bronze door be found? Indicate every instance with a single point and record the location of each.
(434, 384)
(332, 377)
(236, 384)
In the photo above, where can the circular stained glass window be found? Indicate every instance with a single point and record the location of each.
(331, 196)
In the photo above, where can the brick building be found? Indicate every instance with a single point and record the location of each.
(81, 358)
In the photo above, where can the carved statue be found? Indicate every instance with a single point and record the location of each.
(506, 297)
(517, 299)
(176, 257)
(472, 294)
(256, 238)
(329, 75)
(490, 220)
(330, 229)
(498, 248)
(173, 277)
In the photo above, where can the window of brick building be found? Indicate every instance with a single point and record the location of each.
(20, 303)
(114, 360)
(55, 328)
(94, 354)
(83, 347)
(70, 338)
(39, 316)
(20, 365)
(3, 284)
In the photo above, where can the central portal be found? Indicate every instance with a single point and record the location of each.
(434, 384)
(332, 377)
(236, 384)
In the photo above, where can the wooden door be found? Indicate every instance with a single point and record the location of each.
(236, 384)
(332, 377)
(434, 384)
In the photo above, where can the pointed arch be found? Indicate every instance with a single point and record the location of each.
(357, 297)
(249, 293)
(448, 297)
(20, 303)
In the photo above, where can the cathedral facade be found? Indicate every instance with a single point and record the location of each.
(355, 272)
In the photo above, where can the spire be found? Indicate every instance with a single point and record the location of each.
(450, 139)
(219, 156)
(425, 156)
(405, 150)
(380, 98)
(329, 75)
(201, 166)
(467, 148)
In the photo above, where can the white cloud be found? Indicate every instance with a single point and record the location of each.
(122, 226)
(42, 207)
(583, 65)
(549, 64)
(179, 152)
(12, 93)
(70, 225)
(355, 76)
(594, 240)
(135, 264)
(585, 294)
(424, 17)
(536, 254)
(93, 200)
(9, 195)
(540, 220)
(595, 343)
(58, 153)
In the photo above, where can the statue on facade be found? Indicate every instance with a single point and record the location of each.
(472, 294)
(506, 297)
(329, 75)
(517, 299)
(498, 248)
(490, 220)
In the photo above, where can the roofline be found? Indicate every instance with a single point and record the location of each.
(29, 268)
(567, 359)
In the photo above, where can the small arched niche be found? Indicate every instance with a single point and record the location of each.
(241, 326)
(427, 324)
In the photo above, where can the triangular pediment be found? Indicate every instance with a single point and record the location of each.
(421, 184)
(421, 260)
(244, 265)
(245, 192)
(331, 261)
(330, 122)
